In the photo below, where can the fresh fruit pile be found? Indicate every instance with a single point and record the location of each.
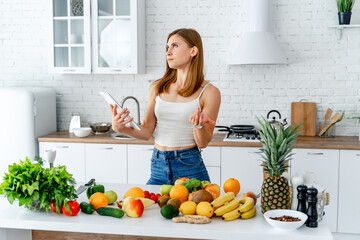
(199, 201)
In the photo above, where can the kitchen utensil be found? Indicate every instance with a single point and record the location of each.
(100, 128)
(82, 132)
(327, 117)
(333, 125)
(304, 112)
(285, 225)
(82, 188)
(336, 117)
(236, 128)
(276, 124)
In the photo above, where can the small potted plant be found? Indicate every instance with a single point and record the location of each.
(344, 10)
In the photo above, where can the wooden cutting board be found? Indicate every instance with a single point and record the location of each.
(304, 112)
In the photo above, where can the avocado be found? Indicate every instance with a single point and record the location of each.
(169, 211)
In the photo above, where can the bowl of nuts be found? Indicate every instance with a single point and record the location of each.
(285, 219)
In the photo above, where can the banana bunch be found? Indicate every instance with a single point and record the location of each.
(231, 208)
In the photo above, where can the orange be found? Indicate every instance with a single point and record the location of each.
(180, 192)
(98, 200)
(135, 192)
(232, 185)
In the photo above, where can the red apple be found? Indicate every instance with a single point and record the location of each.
(214, 189)
(181, 180)
(250, 194)
(134, 208)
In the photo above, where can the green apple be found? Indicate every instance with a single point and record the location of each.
(111, 195)
(204, 184)
(165, 189)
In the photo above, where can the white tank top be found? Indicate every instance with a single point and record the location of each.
(173, 128)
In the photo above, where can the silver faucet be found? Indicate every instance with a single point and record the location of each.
(137, 103)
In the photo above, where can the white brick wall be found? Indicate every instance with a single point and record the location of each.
(322, 68)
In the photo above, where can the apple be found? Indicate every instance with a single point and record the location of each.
(134, 208)
(249, 194)
(214, 189)
(204, 184)
(181, 180)
(165, 189)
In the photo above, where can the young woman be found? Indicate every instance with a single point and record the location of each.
(181, 113)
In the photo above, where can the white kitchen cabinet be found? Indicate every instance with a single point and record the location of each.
(70, 37)
(244, 165)
(106, 162)
(211, 157)
(349, 209)
(325, 164)
(97, 36)
(72, 155)
(139, 163)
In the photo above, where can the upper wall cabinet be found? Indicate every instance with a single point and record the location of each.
(98, 36)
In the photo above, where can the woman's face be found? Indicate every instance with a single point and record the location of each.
(178, 53)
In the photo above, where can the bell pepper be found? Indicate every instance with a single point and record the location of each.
(93, 189)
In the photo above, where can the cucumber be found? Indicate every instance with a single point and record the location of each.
(112, 212)
(87, 208)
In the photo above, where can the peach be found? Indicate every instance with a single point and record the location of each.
(249, 194)
(214, 189)
(134, 208)
(181, 180)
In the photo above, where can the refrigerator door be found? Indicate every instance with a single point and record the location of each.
(23, 119)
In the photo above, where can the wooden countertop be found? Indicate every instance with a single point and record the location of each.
(340, 142)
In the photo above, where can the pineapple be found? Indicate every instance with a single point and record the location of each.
(276, 152)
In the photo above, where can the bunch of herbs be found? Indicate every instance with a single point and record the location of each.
(29, 181)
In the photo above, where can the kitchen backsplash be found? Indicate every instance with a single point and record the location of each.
(321, 69)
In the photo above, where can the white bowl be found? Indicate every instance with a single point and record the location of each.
(82, 132)
(285, 225)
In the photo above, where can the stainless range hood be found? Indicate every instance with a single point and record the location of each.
(258, 45)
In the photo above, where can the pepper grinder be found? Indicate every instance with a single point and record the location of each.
(311, 210)
(301, 196)
(296, 180)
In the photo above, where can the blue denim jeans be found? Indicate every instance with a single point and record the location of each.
(167, 166)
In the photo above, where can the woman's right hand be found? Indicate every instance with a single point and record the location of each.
(118, 118)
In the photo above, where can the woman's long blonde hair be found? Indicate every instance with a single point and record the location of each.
(196, 72)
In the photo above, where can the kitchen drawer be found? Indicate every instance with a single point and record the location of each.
(72, 155)
(211, 156)
(325, 164)
(139, 163)
(244, 165)
(106, 163)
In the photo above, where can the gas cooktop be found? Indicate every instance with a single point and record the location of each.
(240, 133)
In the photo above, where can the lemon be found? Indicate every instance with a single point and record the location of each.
(204, 209)
(188, 208)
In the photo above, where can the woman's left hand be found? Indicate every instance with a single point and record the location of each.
(199, 119)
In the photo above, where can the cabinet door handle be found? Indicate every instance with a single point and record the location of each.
(255, 152)
(309, 153)
(108, 148)
(69, 70)
(116, 70)
(358, 154)
(148, 149)
(62, 146)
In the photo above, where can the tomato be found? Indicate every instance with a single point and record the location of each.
(154, 198)
(53, 207)
(74, 207)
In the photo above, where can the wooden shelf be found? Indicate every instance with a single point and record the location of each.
(339, 28)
